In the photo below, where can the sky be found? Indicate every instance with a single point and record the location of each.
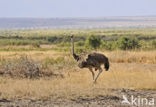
(76, 8)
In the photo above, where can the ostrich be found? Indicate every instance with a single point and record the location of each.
(90, 61)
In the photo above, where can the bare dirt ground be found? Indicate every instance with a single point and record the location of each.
(99, 101)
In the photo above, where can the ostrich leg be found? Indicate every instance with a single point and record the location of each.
(100, 70)
(90, 69)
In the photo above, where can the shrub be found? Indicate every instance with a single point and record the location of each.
(93, 41)
(154, 43)
(125, 43)
(145, 45)
(52, 39)
(35, 45)
(80, 43)
(21, 67)
(106, 45)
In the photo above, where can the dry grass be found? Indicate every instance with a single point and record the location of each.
(117, 56)
(78, 84)
(135, 74)
(148, 57)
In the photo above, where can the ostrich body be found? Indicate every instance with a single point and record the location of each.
(90, 61)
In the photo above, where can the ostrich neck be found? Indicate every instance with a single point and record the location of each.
(76, 57)
(73, 46)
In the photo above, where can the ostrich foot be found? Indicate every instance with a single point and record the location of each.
(94, 82)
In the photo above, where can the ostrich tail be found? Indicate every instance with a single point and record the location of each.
(107, 65)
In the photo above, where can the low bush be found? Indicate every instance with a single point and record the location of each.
(154, 43)
(126, 43)
(106, 45)
(21, 67)
(80, 43)
(93, 41)
(35, 45)
(24, 67)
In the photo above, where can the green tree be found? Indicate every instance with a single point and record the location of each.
(106, 45)
(93, 41)
(125, 43)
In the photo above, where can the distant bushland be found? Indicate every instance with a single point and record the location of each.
(108, 39)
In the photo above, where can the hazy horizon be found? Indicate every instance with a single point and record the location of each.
(76, 9)
(81, 17)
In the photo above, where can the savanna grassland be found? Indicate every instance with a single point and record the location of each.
(37, 68)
